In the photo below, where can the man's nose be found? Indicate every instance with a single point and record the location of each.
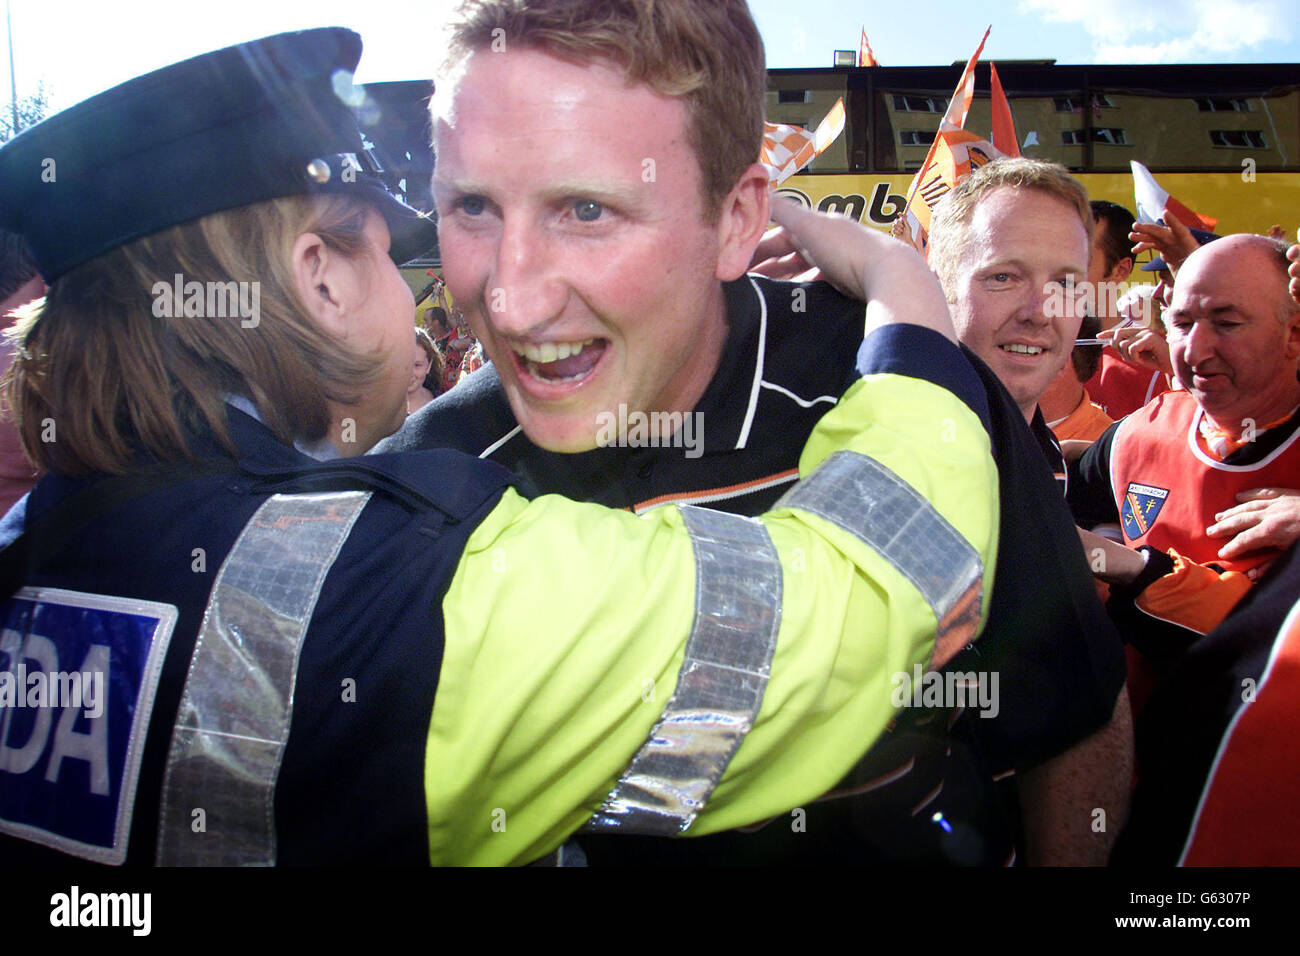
(1198, 344)
(1040, 304)
(525, 291)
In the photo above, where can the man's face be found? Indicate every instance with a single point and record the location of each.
(572, 230)
(1009, 303)
(1227, 346)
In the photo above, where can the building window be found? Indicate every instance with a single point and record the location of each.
(1110, 135)
(918, 104)
(794, 96)
(1238, 138)
(1074, 104)
(1223, 104)
(915, 137)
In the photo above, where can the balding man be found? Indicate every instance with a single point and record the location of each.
(1169, 468)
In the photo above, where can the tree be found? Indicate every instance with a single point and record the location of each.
(31, 110)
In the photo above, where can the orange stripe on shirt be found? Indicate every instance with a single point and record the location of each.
(730, 491)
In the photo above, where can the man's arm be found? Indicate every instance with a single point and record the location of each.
(1075, 804)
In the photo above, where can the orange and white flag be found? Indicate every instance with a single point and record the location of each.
(865, 56)
(930, 177)
(788, 149)
(956, 153)
(1004, 127)
(1152, 201)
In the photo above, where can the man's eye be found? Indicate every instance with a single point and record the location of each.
(472, 205)
(587, 210)
(1001, 277)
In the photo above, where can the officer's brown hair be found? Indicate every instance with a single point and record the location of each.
(100, 378)
(709, 53)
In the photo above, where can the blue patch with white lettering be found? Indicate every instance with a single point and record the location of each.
(78, 676)
(1141, 506)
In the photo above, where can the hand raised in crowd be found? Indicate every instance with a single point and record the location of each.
(1293, 271)
(1173, 242)
(1143, 347)
(1266, 518)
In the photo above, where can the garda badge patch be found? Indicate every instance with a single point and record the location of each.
(78, 675)
(1141, 505)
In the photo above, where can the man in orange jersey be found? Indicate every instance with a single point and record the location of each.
(1168, 471)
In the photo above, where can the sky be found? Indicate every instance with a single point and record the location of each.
(80, 47)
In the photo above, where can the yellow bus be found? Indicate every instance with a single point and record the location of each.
(1223, 139)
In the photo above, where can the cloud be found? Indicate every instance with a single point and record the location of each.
(1166, 31)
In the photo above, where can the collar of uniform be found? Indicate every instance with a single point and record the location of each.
(322, 450)
(729, 402)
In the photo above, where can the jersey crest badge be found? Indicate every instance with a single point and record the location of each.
(1142, 503)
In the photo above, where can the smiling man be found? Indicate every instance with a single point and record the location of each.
(590, 262)
(1003, 242)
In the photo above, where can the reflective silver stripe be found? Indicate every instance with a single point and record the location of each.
(869, 501)
(234, 716)
(721, 683)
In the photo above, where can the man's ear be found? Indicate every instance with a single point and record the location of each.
(741, 223)
(1292, 346)
(318, 278)
(1123, 269)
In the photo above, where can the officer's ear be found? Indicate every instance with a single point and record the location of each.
(741, 223)
(326, 283)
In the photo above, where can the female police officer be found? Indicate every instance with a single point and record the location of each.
(231, 628)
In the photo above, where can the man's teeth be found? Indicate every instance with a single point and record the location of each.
(549, 351)
(1022, 349)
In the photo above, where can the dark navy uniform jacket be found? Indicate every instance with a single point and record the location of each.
(350, 785)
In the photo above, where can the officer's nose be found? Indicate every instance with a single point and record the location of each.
(525, 290)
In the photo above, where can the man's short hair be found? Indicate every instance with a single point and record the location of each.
(17, 267)
(1116, 223)
(710, 53)
(951, 220)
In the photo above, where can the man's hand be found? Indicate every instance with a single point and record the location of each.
(1266, 518)
(776, 257)
(1294, 270)
(1111, 562)
(1173, 242)
(864, 264)
(1143, 347)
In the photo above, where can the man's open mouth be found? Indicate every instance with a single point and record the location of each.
(559, 362)
(1015, 348)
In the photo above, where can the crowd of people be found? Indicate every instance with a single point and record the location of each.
(490, 627)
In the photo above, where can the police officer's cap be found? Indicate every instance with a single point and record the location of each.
(239, 126)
